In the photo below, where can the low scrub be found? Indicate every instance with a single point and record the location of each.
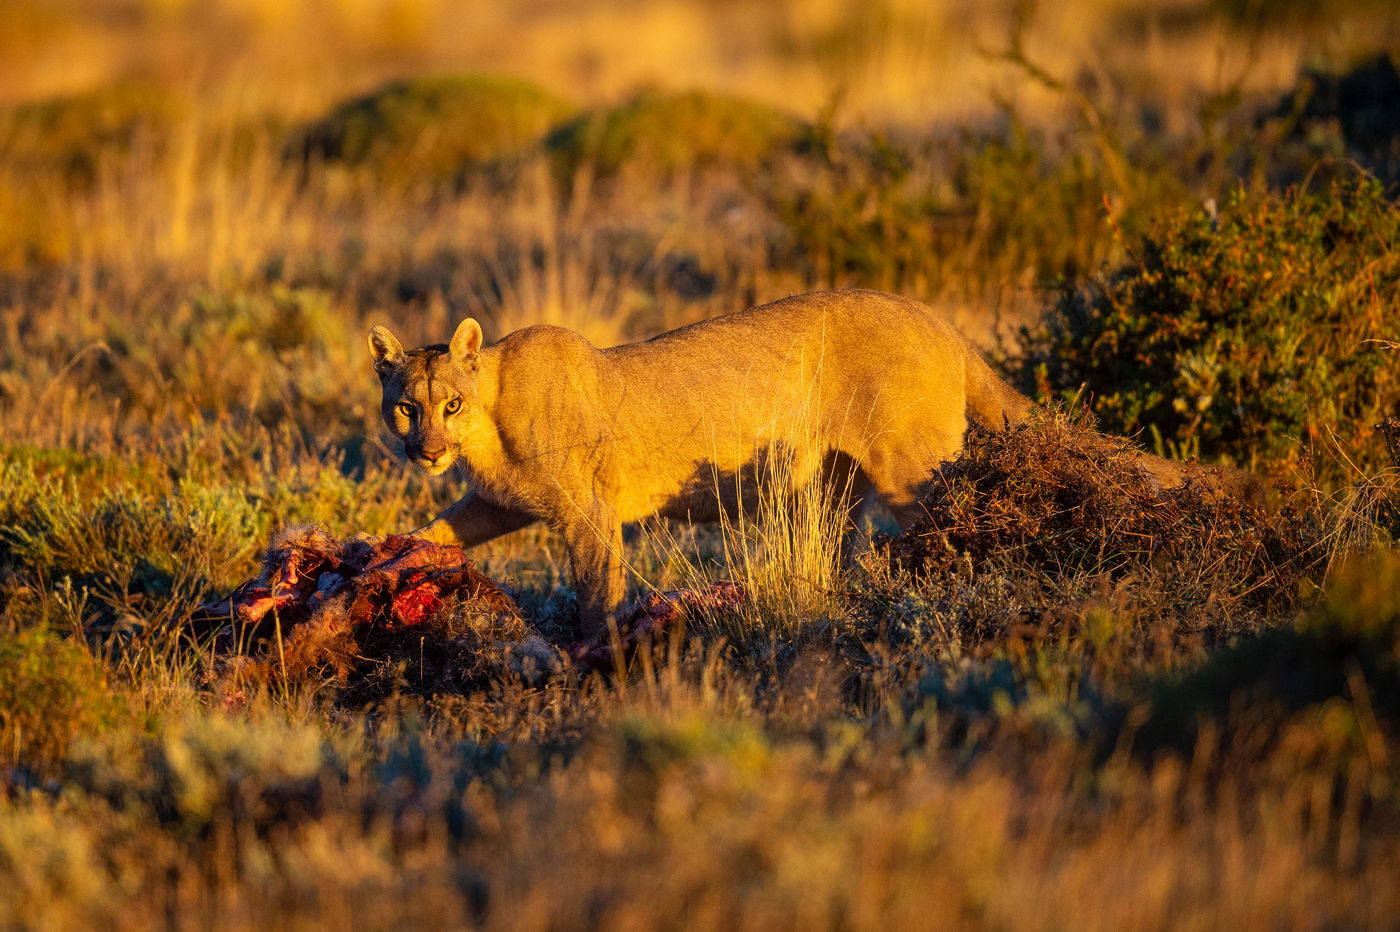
(665, 133)
(939, 214)
(1347, 648)
(121, 558)
(52, 691)
(72, 134)
(1300, 717)
(432, 129)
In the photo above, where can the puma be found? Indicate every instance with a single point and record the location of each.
(860, 387)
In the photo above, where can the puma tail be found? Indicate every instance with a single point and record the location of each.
(990, 401)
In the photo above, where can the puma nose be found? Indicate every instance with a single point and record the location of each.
(436, 453)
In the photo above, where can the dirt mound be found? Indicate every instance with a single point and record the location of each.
(400, 613)
(1059, 498)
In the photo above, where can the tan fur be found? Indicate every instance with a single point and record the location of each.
(855, 385)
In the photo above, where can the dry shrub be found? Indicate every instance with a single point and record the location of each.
(1054, 498)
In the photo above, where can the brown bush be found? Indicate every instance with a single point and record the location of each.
(1052, 497)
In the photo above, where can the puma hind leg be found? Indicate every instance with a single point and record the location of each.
(899, 474)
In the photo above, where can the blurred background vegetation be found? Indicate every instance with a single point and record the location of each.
(1180, 213)
(203, 207)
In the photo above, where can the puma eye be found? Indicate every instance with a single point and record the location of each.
(404, 408)
(453, 406)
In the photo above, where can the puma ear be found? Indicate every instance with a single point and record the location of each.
(385, 348)
(466, 342)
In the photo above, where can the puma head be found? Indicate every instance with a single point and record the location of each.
(430, 394)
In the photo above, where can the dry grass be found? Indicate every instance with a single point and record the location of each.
(786, 546)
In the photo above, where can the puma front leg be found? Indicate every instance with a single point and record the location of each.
(595, 555)
(473, 520)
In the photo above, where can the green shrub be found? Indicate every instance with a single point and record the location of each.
(71, 133)
(1235, 338)
(1027, 207)
(432, 128)
(130, 550)
(940, 215)
(667, 132)
(24, 468)
(274, 352)
(653, 743)
(864, 210)
(51, 692)
(281, 320)
(210, 768)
